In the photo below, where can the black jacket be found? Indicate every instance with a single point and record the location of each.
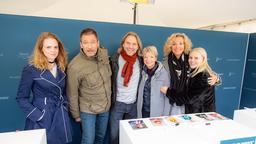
(177, 91)
(201, 96)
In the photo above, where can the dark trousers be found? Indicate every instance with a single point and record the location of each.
(119, 112)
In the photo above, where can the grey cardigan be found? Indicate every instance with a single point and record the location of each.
(159, 103)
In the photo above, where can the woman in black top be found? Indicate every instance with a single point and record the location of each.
(201, 95)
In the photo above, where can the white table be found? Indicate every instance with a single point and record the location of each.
(202, 132)
(246, 117)
(24, 137)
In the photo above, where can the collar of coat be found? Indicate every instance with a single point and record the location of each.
(101, 56)
(157, 71)
(46, 74)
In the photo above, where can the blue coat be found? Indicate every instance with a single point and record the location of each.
(48, 107)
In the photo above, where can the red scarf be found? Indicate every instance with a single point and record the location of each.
(128, 66)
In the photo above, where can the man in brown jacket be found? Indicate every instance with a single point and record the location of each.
(89, 87)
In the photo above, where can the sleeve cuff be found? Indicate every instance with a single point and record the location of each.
(35, 115)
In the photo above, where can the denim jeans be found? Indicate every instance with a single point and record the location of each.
(119, 112)
(94, 127)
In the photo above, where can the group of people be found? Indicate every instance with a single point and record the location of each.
(99, 91)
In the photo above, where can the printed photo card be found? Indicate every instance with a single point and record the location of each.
(157, 121)
(137, 124)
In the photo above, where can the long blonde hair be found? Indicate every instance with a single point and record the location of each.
(170, 40)
(204, 66)
(137, 38)
(39, 60)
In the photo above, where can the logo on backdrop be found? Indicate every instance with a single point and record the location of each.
(23, 55)
(4, 98)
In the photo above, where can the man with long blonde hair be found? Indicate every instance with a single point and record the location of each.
(126, 68)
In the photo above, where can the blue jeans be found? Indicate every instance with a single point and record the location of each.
(119, 112)
(94, 127)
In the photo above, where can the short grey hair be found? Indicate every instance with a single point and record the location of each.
(151, 49)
